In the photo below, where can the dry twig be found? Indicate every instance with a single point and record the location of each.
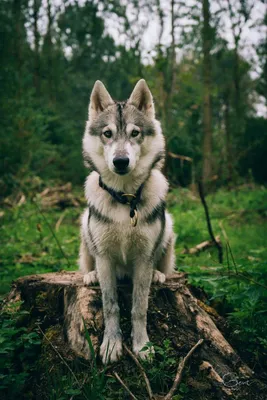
(52, 231)
(180, 370)
(148, 387)
(60, 221)
(60, 356)
(125, 386)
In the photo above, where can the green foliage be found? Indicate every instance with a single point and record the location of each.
(80, 380)
(62, 386)
(96, 386)
(160, 366)
(28, 245)
(238, 288)
(45, 81)
(19, 347)
(47, 74)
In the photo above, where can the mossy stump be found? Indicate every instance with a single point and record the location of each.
(60, 302)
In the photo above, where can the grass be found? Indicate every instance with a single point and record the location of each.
(28, 246)
(240, 213)
(239, 217)
(237, 288)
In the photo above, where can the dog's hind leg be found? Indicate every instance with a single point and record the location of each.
(87, 264)
(166, 262)
(165, 265)
(111, 347)
(86, 259)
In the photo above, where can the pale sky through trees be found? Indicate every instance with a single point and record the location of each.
(146, 26)
(250, 37)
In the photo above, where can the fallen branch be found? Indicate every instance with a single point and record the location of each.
(180, 370)
(201, 246)
(125, 386)
(63, 188)
(148, 387)
(14, 200)
(59, 196)
(217, 244)
(213, 376)
(180, 157)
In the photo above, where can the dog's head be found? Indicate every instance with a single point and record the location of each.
(123, 138)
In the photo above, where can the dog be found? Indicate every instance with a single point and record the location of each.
(125, 230)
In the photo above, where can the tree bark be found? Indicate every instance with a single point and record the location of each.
(228, 138)
(60, 302)
(36, 9)
(207, 114)
(48, 51)
(17, 40)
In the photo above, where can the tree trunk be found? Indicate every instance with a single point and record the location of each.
(48, 50)
(228, 138)
(60, 302)
(36, 9)
(17, 40)
(207, 117)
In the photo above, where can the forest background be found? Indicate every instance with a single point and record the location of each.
(205, 62)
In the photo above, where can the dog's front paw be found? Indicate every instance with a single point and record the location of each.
(90, 278)
(158, 277)
(111, 349)
(143, 349)
(146, 353)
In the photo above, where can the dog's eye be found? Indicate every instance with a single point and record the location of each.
(135, 133)
(108, 134)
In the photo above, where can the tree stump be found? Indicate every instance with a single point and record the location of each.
(61, 300)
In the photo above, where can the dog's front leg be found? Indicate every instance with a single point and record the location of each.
(111, 348)
(141, 285)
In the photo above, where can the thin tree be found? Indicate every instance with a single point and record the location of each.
(36, 10)
(207, 88)
(239, 13)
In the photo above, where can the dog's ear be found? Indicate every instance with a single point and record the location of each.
(99, 100)
(141, 98)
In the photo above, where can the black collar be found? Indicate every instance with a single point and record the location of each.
(123, 198)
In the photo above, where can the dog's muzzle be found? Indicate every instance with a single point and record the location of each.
(121, 164)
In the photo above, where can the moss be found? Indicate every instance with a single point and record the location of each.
(41, 300)
(52, 333)
(49, 302)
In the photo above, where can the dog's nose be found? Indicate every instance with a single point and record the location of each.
(121, 163)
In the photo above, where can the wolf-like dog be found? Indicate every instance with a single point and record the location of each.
(125, 230)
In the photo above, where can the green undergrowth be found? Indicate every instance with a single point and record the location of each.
(28, 246)
(19, 350)
(237, 289)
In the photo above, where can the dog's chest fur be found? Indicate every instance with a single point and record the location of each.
(109, 226)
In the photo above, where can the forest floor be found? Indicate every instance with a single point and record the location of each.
(237, 289)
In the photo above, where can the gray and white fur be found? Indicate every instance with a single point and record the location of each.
(123, 143)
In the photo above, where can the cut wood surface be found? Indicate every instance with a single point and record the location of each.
(61, 300)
